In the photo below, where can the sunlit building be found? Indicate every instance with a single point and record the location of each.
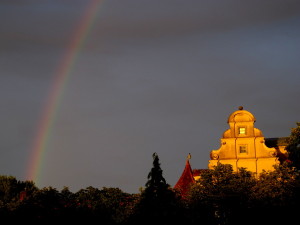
(242, 145)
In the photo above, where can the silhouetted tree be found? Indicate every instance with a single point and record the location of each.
(105, 206)
(276, 193)
(13, 192)
(293, 147)
(158, 203)
(156, 182)
(220, 195)
(8, 188)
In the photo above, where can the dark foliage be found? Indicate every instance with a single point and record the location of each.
(220, 197)
(158, 203)
(293, 147)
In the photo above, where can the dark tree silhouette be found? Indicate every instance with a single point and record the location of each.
(156, 182)
(293, 147)
(158, 203)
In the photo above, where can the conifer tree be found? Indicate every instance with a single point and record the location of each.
(158, 203)
(156, 182)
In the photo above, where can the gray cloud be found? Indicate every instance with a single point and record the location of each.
(153, 76)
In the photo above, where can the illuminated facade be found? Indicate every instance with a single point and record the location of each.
(243, 145)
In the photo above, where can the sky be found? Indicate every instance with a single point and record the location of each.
(90, 89)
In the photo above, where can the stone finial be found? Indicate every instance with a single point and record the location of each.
(241, 108)
(189, 156)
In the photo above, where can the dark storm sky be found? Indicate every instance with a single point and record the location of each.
(152, 76)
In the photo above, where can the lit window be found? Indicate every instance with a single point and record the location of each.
(243, 149)
(242, 130)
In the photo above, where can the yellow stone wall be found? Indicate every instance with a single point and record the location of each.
(243, 145)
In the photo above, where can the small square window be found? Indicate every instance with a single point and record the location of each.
(243, 149)
(242, 130)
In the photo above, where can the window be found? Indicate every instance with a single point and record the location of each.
(243, 149)
(242, 130)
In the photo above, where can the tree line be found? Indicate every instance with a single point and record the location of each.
(219, 197)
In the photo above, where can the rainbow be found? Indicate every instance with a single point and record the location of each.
(61, 77)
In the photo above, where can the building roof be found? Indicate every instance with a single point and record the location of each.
(280, 145)
(186, 179)
(241, 115)
(198, 172)
(275, 142)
